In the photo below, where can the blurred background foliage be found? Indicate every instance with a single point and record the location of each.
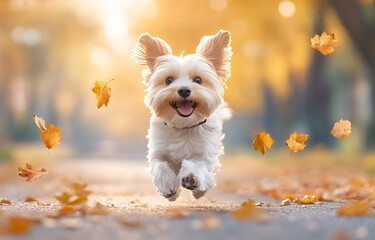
(52, 52)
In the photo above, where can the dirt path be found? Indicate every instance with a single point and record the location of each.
(138, 212)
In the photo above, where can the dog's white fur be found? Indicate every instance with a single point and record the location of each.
(180, 152)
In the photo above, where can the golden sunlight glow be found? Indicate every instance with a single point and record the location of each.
(115, 24)
(100, 57)
(251, 49)
(287, 8)
(218, 5)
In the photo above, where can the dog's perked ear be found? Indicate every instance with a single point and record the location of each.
(218, 51)
(148, 48)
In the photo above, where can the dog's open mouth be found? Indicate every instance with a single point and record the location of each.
(184, 108)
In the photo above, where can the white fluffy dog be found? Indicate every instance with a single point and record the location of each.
(185, 95)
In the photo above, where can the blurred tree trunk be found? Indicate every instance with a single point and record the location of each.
(362, 33)
(317, 90)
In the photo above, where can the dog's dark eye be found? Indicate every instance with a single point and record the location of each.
(198, 80)
(169, 80)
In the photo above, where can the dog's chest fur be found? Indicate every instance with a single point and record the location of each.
(202, 142)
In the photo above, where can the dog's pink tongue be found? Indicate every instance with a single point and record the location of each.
(185, 107)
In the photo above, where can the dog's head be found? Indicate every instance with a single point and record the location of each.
(183, 91)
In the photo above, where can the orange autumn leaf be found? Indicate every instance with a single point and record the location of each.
(30, 199)
(248, 212)
(296, 141)
(102, 92)
(261, 141)
(342, 129)
(17, 226)
(5, 201)
(44, 204)
(285, 202)
(30, 172)
(210, 222)
(130, 223)
(178, 213)
(48, 133)
(66, 211)
(51, 137)
(356, 208)
(323, 43)
(79, 195)
(307, 199)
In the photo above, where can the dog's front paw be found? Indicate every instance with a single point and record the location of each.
(190, 182)
(170, 194)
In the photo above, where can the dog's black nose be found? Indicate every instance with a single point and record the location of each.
(184, 92)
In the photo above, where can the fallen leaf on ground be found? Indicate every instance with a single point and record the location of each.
(79, 195)
(48, 133)
(210, 222)
(178, 213)
(44, 204)
(342, 129)
(98, 209)
(285, 202)
(356, 208)
(296, 141)
(30, 199)
(102, 92)
(307, 199)
(341, 235)
(17, 226)
(261, 141)
(273, 193)
(130, 223)
(323, 43)
(5, 201)
(248, 212)
(66, 211)
(30, 172)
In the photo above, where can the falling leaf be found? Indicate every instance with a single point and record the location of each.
(5, 201)
(66, 211)
(40, 123)
(356, 208)
(261, 141)
(98, 209)
(323, 43)
(30, 199)
(103, 93)
(248, 212)
(48, 133)
(296, 141)
(30, 172)
(342, 129)
(51, 137)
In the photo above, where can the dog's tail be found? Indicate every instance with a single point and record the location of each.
(225, 112)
